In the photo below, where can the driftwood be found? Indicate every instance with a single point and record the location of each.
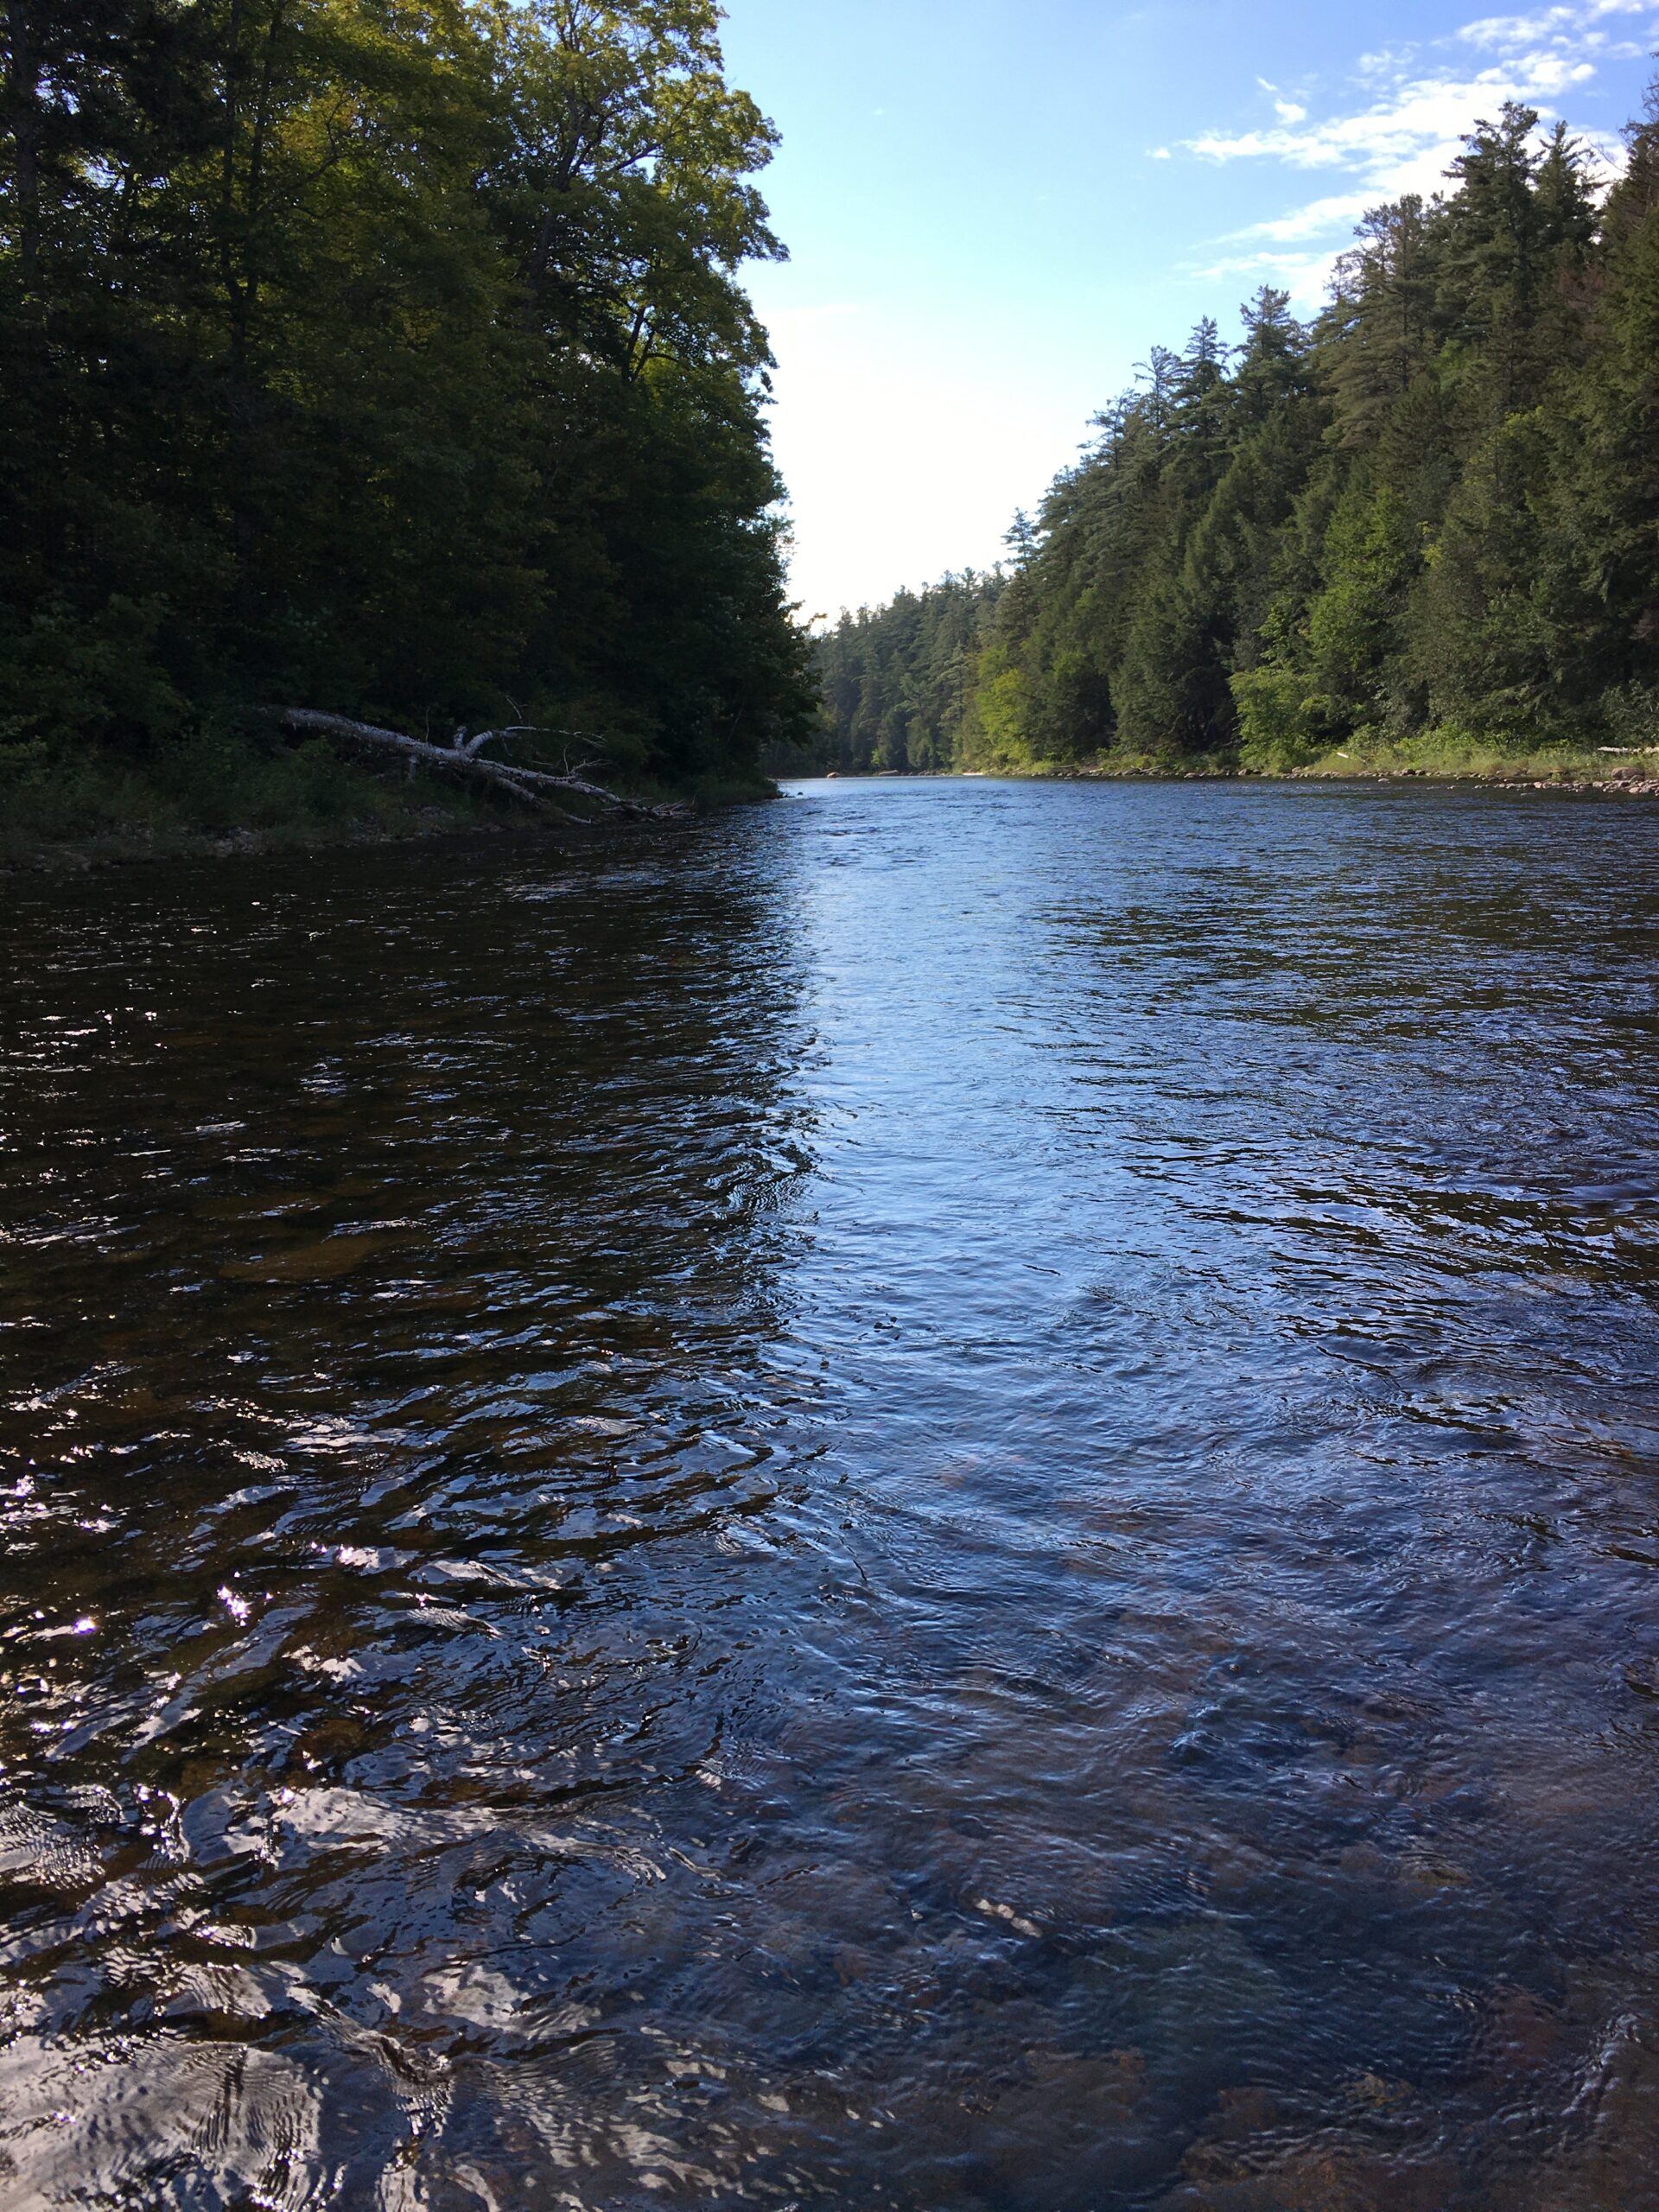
(465, 758)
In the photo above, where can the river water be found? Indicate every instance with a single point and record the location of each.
(946, 1496)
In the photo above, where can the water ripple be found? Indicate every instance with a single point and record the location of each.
(945, 1497)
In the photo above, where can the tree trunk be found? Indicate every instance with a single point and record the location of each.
(465, 758)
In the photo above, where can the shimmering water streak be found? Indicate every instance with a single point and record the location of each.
(944, 1496)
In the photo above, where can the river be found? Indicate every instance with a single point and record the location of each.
(946, 1495)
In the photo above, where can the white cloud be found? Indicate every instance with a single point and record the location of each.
(1340, 211)
(1427, 117)
(1417, 106)
(1305, 277)
(1572, 29)
(1287, 111)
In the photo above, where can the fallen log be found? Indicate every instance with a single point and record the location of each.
(465, 758)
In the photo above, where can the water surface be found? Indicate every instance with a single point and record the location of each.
(943, 1497)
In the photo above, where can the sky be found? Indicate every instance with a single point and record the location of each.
(994, 208)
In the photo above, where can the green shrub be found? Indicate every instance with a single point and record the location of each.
(1280, 727)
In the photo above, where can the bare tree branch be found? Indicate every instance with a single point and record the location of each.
(465, 758)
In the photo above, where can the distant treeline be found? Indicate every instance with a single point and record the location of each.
(1429, 522)
(898, 682)
(385, 357)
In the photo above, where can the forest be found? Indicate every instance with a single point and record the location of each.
(1423, 531)
(385, 359)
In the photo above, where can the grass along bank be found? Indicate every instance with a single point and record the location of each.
(234, 791)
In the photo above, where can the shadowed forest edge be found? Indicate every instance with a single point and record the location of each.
(385, 359)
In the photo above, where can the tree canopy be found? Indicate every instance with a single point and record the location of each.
(387, 357)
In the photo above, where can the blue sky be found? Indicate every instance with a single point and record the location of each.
(994, 209)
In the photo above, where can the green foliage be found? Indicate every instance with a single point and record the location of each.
(73, 678)
(211, 781)
(897, 684)
(1280, 727)
(386, 356)
(1427, 528)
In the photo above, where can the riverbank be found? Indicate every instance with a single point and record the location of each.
(202, 803)
(216, 799)
(1619, 772)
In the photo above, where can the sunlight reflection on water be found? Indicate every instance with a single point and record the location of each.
(942, 1496)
